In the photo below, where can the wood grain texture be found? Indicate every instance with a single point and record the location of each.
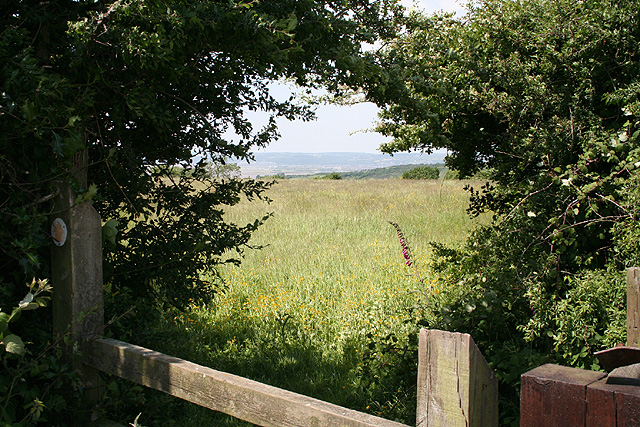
(245, 399)
(76, 277)
(628, 405)
(456, 386)
(76, 268)
(601, 405)
(612, 404)
(553, 395)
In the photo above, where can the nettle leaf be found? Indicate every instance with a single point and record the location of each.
(13, 344)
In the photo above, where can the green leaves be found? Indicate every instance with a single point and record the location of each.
(4, 321)
(87, 195)
(13, 344)
(35, 298)
(110, 232)
(520, 90)
(543, 96)
(422, 172)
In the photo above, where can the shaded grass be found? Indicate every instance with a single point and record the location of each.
(302, 313)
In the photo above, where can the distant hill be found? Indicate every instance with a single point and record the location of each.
(377, 173)
(319, 163)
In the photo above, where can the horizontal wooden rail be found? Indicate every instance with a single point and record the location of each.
(245, 399)
(456, 387)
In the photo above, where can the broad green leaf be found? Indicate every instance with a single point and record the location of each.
(110, 231)
(13, 344)
(31, 306)
(25, 301)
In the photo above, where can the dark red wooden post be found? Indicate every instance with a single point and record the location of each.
(612, 405)
(553, 395)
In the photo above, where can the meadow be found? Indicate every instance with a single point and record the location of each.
(308, 311)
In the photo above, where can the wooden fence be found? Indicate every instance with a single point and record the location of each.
(455, 385)
(553, 395)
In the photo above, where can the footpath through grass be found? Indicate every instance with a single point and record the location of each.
(302, 313)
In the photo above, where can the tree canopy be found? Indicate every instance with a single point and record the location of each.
(145, 88)
(545, 97)
(422, 172)
(133, 101)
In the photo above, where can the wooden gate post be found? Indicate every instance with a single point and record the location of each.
(76, 277)
(456, 386)
(633, 307)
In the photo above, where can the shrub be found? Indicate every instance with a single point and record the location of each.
(422, 172)
(452, 174)
(333, 175)
(36, 382)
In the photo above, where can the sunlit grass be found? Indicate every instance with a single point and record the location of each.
(331, 278)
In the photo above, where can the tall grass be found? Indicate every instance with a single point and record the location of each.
(301, 312)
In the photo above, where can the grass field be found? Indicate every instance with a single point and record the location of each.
(302, 313)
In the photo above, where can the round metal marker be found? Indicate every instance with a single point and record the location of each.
(59, 232)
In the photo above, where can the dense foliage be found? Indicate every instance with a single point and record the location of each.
(332, 175)
(541, 95)
(145, 89)
(544, 96)
(422, 172)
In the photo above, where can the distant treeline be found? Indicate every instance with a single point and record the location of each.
(377, 173)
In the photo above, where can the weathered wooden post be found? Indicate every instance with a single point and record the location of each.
(633, 307)
(456, 386)
(76, 273)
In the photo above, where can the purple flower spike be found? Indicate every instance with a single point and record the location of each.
(406, 251)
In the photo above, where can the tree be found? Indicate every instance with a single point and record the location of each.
(126, 95)
(422, 172)
(226, 171)
(332, 175)
(143, 88)
(544, 95)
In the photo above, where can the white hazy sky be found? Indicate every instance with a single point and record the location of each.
(339, 128)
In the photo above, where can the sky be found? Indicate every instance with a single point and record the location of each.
(343, 128)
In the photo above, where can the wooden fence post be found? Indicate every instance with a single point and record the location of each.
(554, 395)
(633, 307)
(456, 386)
(76, 277)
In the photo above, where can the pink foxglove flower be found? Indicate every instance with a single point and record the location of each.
(406, 252)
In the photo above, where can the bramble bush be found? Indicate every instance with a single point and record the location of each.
(545, 97)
